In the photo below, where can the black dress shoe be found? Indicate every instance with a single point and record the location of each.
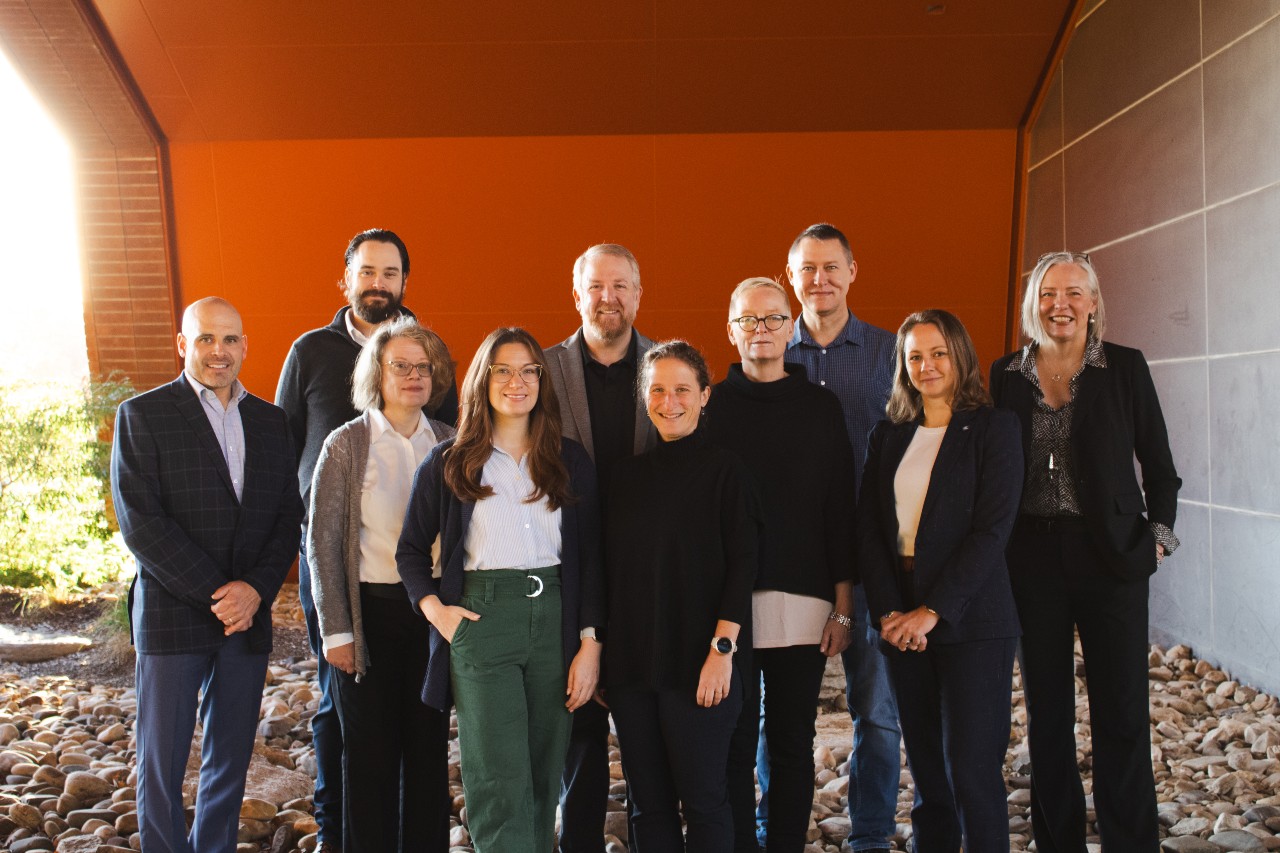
(327, 847)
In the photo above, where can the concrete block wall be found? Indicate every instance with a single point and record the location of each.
(1158, 151)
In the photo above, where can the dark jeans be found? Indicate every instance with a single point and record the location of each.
(1061, 584)
(326, 729)
(792, 679)
(676, 753)
(953, 704)
(396, 761)
(584, 787)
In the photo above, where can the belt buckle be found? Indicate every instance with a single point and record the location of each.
(541, 586)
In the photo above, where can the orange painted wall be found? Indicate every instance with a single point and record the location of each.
(493, 226)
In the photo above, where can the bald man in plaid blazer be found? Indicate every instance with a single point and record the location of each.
(205, 486)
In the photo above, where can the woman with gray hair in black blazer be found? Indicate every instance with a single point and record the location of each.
(939, 496)
(396, 761)
(1082, 552)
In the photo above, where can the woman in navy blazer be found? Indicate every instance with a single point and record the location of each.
(939, 494)
(1082, 552)
(513, 637)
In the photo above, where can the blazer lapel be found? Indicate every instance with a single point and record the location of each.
(575, 390)
(954, 441)
(255, 456)
(192, 409)
(646, 436)
(1021, 401)
(1091, 382)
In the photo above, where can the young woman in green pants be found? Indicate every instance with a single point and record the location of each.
(515, 611)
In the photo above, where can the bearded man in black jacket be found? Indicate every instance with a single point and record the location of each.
(315, 391)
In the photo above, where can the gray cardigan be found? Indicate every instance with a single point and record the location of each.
(333, 534)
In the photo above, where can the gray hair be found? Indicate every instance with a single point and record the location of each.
(366, 380)
(1031, 326)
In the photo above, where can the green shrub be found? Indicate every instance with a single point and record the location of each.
(55, 533)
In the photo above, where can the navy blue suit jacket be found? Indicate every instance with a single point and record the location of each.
(435, 510)
(968, 515)
(181, 519)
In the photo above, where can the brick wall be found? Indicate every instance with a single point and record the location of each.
(59, 47)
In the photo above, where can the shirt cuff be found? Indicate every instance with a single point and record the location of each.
(334, 640)
(1164, 536)
(588, 634)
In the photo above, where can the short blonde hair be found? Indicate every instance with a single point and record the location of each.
(1031, 326)
(756, 283)
(366, 379)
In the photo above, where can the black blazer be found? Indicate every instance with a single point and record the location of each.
(1117, 416)
(180, 517)
(435, 510)
(968, 514)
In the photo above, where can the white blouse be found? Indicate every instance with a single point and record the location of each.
(911, 484)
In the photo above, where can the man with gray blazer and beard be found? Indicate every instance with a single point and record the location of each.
(594, 372)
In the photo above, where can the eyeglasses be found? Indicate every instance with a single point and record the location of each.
(772, 322)
(404, 368)
(1064, 257)
(502, 373)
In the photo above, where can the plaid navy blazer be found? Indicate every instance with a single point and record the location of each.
(181, 519)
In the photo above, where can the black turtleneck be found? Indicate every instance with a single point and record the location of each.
(792, 436)
(680, 547)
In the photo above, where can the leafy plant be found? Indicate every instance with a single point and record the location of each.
(55, 532)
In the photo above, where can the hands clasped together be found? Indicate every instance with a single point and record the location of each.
(235, 604)
(908, 631)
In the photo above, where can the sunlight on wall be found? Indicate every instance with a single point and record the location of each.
(40, 280)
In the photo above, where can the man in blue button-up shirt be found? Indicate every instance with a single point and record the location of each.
(855, 360)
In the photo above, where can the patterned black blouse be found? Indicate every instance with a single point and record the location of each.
(1050, 486)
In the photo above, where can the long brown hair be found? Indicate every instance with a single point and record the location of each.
(464, 462)
(905, 403)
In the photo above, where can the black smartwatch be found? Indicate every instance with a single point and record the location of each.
(723, 645)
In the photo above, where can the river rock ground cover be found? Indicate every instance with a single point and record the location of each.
(67, 780)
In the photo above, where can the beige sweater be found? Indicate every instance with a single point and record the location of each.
(333, 531)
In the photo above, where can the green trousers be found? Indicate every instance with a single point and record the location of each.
(509, 681)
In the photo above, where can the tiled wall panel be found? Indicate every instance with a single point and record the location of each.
(1243, 250)
(1242, 115)
(1123, 51)
(1139, 170)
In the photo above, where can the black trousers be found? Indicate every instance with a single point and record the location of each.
(396, 761)
(792, 682)
(584, 787)
(953, 706)
(676, 753)
(1061, 583)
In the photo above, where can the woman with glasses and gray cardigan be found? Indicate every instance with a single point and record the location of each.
(396, 756)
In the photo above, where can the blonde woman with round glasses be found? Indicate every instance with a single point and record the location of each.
(396, 756)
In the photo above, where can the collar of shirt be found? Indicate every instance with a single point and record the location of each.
(380, 426)
(854, 332)
(1025, 361)
(629, 358)
(210, 397)
(356, 335)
